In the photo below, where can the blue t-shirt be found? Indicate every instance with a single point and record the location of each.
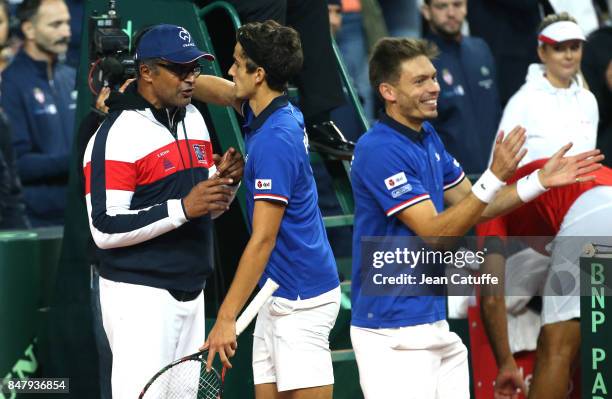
(394, 168)
(278, 169)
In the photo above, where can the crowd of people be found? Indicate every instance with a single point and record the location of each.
(515, 95)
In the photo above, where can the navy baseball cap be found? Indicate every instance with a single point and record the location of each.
(169, 42)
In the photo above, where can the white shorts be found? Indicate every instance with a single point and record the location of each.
(426, 361)
(147, 329)
(587, 221)
(291, 341)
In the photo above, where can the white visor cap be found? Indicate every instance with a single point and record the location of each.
(560, 32)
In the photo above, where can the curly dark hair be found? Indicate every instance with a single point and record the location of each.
(275, 48)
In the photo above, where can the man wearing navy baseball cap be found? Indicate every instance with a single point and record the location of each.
(172, 48)
(153, 187)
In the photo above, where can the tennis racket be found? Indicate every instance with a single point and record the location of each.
(187, 378)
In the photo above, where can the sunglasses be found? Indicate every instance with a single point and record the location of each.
(182, 71)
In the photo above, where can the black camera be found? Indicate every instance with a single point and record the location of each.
(111, 62)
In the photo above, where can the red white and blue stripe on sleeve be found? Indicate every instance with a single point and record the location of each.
(117, 165)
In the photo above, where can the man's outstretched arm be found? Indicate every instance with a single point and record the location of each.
(215, 90)
(557, 172)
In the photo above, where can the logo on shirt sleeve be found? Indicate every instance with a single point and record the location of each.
(399, 191)
(263, 184)
(200, 152)
(396, 180)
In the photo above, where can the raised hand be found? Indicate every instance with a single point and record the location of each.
(230, 165)
(105, 93)
(507, 153)
(101, 99)
(207, 196)
(561, 170)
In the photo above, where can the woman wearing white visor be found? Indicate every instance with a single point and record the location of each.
(553, 105)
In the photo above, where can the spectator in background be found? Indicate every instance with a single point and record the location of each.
(346, 22)
(553, 104)
(508, 27)
(39, 97)
(468, 109)
(597, 69)
(401, 17)
(12, 209)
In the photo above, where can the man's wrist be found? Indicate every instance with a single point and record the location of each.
(176, 212)
(542, 179)
(487, 186)
(226, 315)
(530, 187)
(184, 210)
(507, 361)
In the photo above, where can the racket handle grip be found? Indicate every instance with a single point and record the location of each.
(253, 308)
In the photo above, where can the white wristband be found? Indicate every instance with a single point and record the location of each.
(487, 186)
(529, 187)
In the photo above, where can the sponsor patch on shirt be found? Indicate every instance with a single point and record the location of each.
(396, 180)
(402, 190)
(263, 184)
(200, 152)
(168, 165)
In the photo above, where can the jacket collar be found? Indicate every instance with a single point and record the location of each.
(132, 100)
(39, 66)
(443, 42)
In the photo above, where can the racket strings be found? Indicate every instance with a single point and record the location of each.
(185, 380)
(210, 384)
